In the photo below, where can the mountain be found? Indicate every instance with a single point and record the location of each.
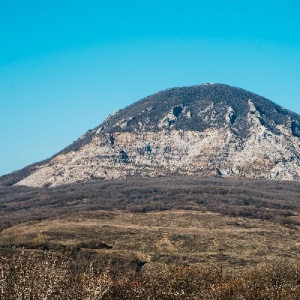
(207, 130)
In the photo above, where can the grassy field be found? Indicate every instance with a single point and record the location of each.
(176, 237)
(139, 227)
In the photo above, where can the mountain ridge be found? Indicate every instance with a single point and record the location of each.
(203, 129)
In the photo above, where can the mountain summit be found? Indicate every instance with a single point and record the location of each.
(209, 129)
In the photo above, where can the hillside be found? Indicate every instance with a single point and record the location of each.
(179, 220)
(206, 130)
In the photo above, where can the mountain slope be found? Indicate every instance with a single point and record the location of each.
(210, 129)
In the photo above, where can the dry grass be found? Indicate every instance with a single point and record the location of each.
(43, 276)
(174, 237)
(161, 238)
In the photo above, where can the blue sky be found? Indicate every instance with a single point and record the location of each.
(65, 65)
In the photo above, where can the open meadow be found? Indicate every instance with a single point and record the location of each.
(161, 238)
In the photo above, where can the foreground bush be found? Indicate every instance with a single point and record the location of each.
(43, 276)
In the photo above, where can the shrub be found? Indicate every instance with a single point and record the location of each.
(44, 276)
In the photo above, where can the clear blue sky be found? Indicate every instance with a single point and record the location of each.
(65, 65)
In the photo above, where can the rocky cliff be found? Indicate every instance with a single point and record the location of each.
(210, 130)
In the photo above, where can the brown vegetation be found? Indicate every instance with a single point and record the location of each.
(277, 201)
(173, 237)
(44, 276)
(160, 238)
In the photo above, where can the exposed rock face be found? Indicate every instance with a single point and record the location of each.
(210, 129)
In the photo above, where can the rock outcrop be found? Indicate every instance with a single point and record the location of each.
(210, 130)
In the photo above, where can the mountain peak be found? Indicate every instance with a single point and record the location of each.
(195, 108)
(210, 129)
